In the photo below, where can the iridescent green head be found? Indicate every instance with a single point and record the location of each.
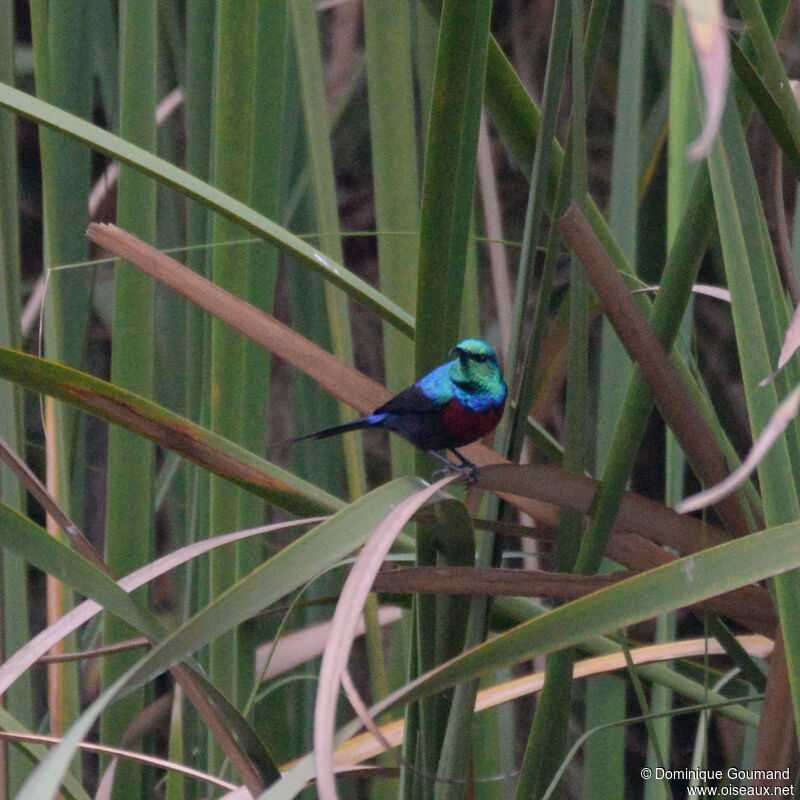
(476, 367)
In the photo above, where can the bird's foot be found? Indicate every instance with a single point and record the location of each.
(439, 474)
(471, 474)
(470, 471)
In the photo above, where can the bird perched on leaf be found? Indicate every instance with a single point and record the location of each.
(452, 406)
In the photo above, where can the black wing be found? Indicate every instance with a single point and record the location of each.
(410, 401)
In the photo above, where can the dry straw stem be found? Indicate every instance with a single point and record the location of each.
(340, 380)
(301, 645)
(364, 745)
(709, 32)
(676, 404)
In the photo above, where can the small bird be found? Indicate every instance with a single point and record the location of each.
(452, 406)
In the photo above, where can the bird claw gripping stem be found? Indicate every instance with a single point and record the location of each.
(470, 471)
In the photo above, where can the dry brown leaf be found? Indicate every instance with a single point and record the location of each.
(708, 30)
(777, 424)
(790, 344)
(345, 622)
(299, 646)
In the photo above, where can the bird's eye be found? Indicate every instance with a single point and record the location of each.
(480, 357)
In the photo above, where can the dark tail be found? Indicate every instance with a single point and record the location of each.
(355, 425)
(336, 430)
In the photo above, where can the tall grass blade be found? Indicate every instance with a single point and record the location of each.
(231, 169)
(129, 539)
(448, 189)
(558, 55)
(623, 215)
(547, 739)
(769, 66)
(388, 46)
(605, 696)
(752, 274)
(449, 179)
(198, 86)
(683, 128)
(63, 77)
(14, 627)
(267, 195)
(325, 203)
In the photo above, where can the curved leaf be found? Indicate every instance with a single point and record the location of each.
(176, 433)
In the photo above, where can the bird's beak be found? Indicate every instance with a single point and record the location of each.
(456, 351)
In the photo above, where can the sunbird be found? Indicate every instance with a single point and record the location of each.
(452, 406)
